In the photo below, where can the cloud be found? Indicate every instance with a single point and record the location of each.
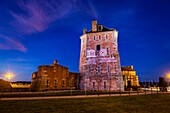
(11, 44)
(37, 15)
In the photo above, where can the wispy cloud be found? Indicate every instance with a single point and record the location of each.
(39, 15)
(11, 44)
(34, 16)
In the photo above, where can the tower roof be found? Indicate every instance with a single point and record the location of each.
(98, 28)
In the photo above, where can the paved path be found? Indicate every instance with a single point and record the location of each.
(77, 96)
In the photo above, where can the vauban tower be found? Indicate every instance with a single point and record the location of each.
(99, 59)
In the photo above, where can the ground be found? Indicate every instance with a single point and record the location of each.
(157, 103)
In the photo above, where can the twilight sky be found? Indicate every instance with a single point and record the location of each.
(35, 32)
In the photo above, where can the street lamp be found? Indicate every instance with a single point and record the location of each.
(168, 76)
(9, 76)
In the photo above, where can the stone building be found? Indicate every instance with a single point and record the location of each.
(54, 77)
(129, 76)
(99, 59)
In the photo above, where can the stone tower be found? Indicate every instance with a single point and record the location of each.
(99, 59)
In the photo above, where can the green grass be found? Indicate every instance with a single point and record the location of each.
(126, 104)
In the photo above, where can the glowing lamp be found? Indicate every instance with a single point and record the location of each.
(168, 75)
(9, 76)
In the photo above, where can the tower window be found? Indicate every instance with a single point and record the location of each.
(107, 51)
(106, 37)
(98, 47)
(104, 85)
(63, 83)
(99, 28)
(108, 69)
(93, 85)
(99, 37)
(47, 82)
(84, 53)
(98, 70)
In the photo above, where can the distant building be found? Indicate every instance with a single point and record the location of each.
(54, 77)
(99, 59)
(163, 82)
(146, 84)
(129, 76)
(21, 84)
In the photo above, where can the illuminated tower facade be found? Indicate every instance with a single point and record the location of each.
(99, 59)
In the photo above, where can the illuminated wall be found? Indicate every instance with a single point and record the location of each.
(129, 75)
(99, 59)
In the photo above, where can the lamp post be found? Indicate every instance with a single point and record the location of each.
(168, 76)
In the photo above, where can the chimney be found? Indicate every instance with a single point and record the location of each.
(94, 25)
(131, 66)
(55, 62)
(84, 31)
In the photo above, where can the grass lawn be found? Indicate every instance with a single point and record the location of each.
(126, 104)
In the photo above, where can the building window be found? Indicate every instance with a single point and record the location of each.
(84, 53)
(89, 70)
(106, 37)
(55, 81)
(108, 69)
(99, 28)
(104, 85)
(93, 85)
(71, 82)
(99, 37)
(98, 70)
(47, 82)
(107, 51)
(98, 47)
(63, 83)
(94, 38)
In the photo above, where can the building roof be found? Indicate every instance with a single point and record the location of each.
(127, 68)
(102, 30)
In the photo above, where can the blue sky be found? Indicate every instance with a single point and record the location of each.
(34, 32)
